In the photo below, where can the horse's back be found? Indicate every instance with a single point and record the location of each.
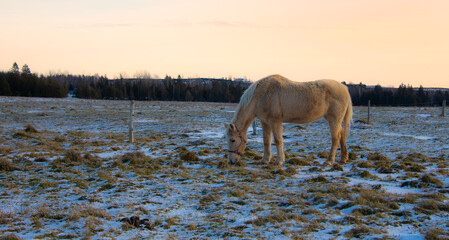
(299, 102)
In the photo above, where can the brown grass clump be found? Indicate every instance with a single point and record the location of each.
(424, 182)
(30, 129)
(429, 206)
(377, 157)
(415, 167)
(47, 184)
(366, 174)
(251, 154)
(41, 159)
(71, 156)
(435, 234)
(6, 150)
(428, 179)
(298, 161)
(83, 211)
(336, 167)
(364, 211)
(6, 217)
(320, 178)
(60, 139)
(135, 158)
(153, 138)
(223, 164)
(416, 157)
(290, 171)
(323, 155)
(376, 199)
(10, 236)
(360, 231)
(209, 198)
(91, 226)
(188, 156)
(352, 156)
(6, 165)
(365, 164)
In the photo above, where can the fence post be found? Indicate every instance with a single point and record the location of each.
(254, 127)
(369, 105)
(444, 106)
(131, 120)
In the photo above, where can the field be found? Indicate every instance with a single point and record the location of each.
(67, 171)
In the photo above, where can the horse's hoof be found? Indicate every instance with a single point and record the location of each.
(278, 164)
(327, 164)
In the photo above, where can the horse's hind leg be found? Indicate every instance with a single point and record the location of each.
(278, 140)
(266, 143)
(336, 137)
(344, 149)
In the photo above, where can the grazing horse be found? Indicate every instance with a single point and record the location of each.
(275, 100)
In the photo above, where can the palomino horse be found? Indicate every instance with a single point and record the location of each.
(275, 100)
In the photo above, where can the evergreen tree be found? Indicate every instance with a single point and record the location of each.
(15, 68)
(5, 90)
(26, 70)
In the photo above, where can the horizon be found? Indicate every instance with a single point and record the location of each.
(383, 42)
(157, 77)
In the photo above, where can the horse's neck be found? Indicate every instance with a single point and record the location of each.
(243, 118)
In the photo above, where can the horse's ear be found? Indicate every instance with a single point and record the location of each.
(232, 127)
(225, 125)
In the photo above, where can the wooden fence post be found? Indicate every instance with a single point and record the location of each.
(369, 105)
(254, 127)
(444, 106)
(131, 120)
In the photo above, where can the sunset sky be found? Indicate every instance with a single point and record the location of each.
(386, 42)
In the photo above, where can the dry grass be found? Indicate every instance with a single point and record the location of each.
(6, 165)
(10, 236)
(6, 150)
(187, 155)
(188, 188)
(30, 129)
(298, 161)
(6, 217)
(276, 217)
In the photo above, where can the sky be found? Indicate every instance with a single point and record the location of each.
(386, 42)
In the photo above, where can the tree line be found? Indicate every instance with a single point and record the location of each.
(24, 83)
(167, 89)
(401, 96)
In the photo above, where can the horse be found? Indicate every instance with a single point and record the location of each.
(275, 100)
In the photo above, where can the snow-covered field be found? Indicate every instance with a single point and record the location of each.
(78, 177)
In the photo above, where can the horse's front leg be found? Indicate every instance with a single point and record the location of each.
(266, 129)
(278, 140)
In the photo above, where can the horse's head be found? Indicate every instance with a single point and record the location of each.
(236, 142)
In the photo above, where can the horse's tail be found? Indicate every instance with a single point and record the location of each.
(347, 119)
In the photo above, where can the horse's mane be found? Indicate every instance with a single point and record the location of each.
(245, 99)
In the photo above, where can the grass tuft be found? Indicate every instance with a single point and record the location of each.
(72, 156)
(359, 231)
(188, 156)
(10, 236)
(377, 157)
(428, 179)
(30, 129)
(251, 154)
(435, 234)
(6, 165)
(298, 161)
